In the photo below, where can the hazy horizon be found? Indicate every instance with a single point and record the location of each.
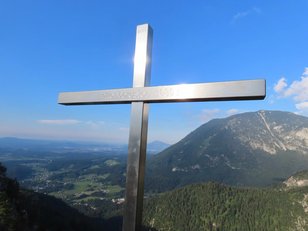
(52, 47)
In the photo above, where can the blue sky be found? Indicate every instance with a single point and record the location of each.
(47, 47)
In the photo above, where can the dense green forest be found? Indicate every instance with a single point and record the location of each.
(218, 207)
(209, 206)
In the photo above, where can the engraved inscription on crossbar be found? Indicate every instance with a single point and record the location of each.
(140, 96)
(232, 90)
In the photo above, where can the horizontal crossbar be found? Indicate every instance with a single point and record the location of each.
(216, 91)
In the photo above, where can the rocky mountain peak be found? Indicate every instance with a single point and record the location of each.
(271, 131)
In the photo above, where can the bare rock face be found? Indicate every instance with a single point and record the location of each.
(294, 182)
(299, 179)
(272, 131)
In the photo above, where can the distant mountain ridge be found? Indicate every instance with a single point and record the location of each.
(36, 144)
(14, 143)
(254, 149)
(157, 146)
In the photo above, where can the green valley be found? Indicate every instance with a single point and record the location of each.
(91, 183)
(244, 172)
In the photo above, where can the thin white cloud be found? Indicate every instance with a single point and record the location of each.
(280, 85)
(241, 15)
(95, 124)
(297, 90)
(91, 124)
(59, 122)
(244, 14)
(208, 114)
(232, 112)
(124, 129)
(302, 106)
(256, 10)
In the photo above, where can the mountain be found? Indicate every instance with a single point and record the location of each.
(157, 146)
(252, 149)
(13, 144)
(213, 206)
(30, 145)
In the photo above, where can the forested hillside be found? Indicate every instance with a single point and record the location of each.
(238, 153)
(26, 210)
(210, 206)
(213, 206)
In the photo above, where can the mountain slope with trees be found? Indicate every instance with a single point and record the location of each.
(25, 210)
(214, 206)
(250, 149)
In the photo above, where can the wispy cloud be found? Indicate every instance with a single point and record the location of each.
(78, 129)
(209, 114)
(232, 112)
(90, 123)
(297, 90)
(59, 122)
(94, 124)
(244, 14)
(280, 85)
(124, 129)
(302, 106)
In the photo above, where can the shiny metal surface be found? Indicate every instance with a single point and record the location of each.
(231, 90)
(132, 219)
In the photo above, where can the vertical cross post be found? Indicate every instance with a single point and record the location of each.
(138, 133)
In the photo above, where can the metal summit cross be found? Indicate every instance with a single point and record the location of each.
(139, 97)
